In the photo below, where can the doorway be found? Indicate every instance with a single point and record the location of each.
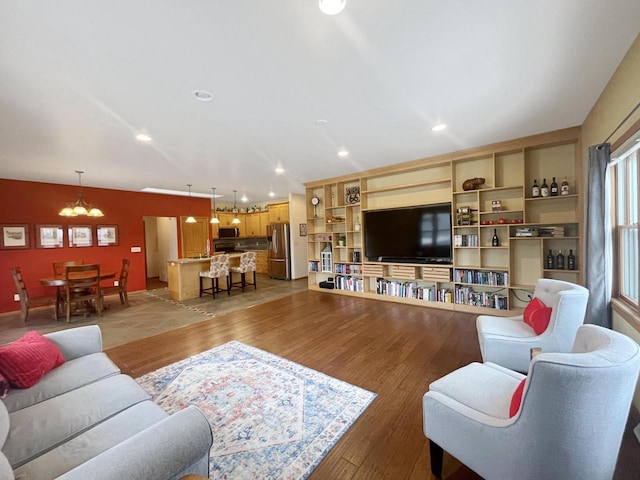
(161, 244)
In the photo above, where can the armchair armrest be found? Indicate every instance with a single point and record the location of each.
(177, 445)
(77, 342)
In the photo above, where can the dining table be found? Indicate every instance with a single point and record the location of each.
(60, 281)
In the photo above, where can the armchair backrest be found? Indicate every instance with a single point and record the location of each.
(575, 406)
(569, 304)
(219, 265)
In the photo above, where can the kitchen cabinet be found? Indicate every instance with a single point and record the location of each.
(256, 224)
(279, 212)
(194, 236)
(262, 265)
(227, 217)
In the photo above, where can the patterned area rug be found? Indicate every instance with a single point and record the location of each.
(271, 418)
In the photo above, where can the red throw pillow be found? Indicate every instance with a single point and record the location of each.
(516, 399)
(4, 386)
(26, 360)
(537, 315)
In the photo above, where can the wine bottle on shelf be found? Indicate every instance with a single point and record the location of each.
(535, 190)
(564, 188)
(554, 188)
(551, 261)
(560, 260)
(571, 260)
(544, 188)
(495, 241)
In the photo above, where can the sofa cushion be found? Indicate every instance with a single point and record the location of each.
(4, 425)
(39, 428)
(4, 386)
(6, 472)
(26, 360)
(68, 376)
(92, 442)
(537, 315)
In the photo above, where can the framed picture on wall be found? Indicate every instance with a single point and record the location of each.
(303, 229)
(107, 235)
(80, 236)
(49, 236)
(14, 236)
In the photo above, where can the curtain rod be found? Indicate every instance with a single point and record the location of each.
(622, 122)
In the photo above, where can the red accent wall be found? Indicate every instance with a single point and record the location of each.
(34, 203)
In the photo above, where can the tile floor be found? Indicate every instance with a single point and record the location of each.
(150, 312)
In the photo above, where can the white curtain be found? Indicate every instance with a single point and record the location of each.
(598, 237)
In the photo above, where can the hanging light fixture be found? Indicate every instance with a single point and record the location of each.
(80, 208)
(214, 217)
(332, 7)
(190, 218)
(236, 220)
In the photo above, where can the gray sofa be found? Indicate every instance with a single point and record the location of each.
(85, 420)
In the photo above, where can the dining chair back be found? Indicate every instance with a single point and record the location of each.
(26, 302)
(247, 264)
(121, 288)
(58, 267)
(82, 285)
(218, 268)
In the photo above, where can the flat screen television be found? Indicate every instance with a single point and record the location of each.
(409, 235)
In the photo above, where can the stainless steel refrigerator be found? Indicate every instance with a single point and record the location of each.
(278, 251)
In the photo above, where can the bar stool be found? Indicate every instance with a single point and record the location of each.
(247, 264)
(218, 267)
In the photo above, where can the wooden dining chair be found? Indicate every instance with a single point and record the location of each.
(83, 286)
(58, 270)
(26, 302)
(121, 288)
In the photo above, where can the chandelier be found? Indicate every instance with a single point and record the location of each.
(80, 207)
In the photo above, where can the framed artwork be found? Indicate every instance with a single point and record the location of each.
(49, 236)
(352, 195)
(303, 229)
(107, 235)
(80, 236)
(14, 236)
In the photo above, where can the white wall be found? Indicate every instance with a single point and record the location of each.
(151, 246)
(167, 228)
(297, 216)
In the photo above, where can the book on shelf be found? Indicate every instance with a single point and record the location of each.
(551, 231)
(465, 295)
(526, 232)
(480, 277)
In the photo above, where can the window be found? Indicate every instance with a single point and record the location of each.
(625, 178)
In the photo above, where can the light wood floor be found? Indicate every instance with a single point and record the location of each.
(391, 349)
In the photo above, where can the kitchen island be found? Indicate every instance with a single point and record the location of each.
(184, 276)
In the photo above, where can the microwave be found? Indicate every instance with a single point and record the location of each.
(228, 232)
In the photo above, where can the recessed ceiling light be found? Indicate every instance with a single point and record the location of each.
(244, 198)
(439, 127)
(279, 170)
(272, 194)
(331, 7)
(321, 122)
(202, 95)
(143, 138)
(343, 152)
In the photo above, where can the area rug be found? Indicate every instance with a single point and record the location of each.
(271, 418)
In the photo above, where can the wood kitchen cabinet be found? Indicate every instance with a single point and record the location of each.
(256, 224)
(227, 217)
(194, 236)
(262, 265)
(279, 212)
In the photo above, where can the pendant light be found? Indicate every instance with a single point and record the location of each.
(236, 220)
(190, 218)
(214, 217)
(80, 207)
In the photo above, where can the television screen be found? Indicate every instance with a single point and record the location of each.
(415, 234)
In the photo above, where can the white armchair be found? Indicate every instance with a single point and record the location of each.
(570, 421)
(508, 341)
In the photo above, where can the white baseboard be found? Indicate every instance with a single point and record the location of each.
(637, 432)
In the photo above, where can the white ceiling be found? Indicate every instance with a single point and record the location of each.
(79, 78)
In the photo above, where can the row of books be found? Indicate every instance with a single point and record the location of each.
(551, 231)
(462, 275)
(353, 284)
(466, 296)
(465, 240)
(348, 268)
(314, 266)
(413, 290)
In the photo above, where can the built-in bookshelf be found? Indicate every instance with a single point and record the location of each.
(484, 276)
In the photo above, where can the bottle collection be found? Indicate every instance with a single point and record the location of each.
(557, 262)
(544, 190)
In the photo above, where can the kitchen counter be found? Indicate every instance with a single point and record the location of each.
(184, 275)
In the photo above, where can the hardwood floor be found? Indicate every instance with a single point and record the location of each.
(391, 349)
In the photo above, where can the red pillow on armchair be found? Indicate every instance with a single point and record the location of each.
(28, 359)
(537, 315)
